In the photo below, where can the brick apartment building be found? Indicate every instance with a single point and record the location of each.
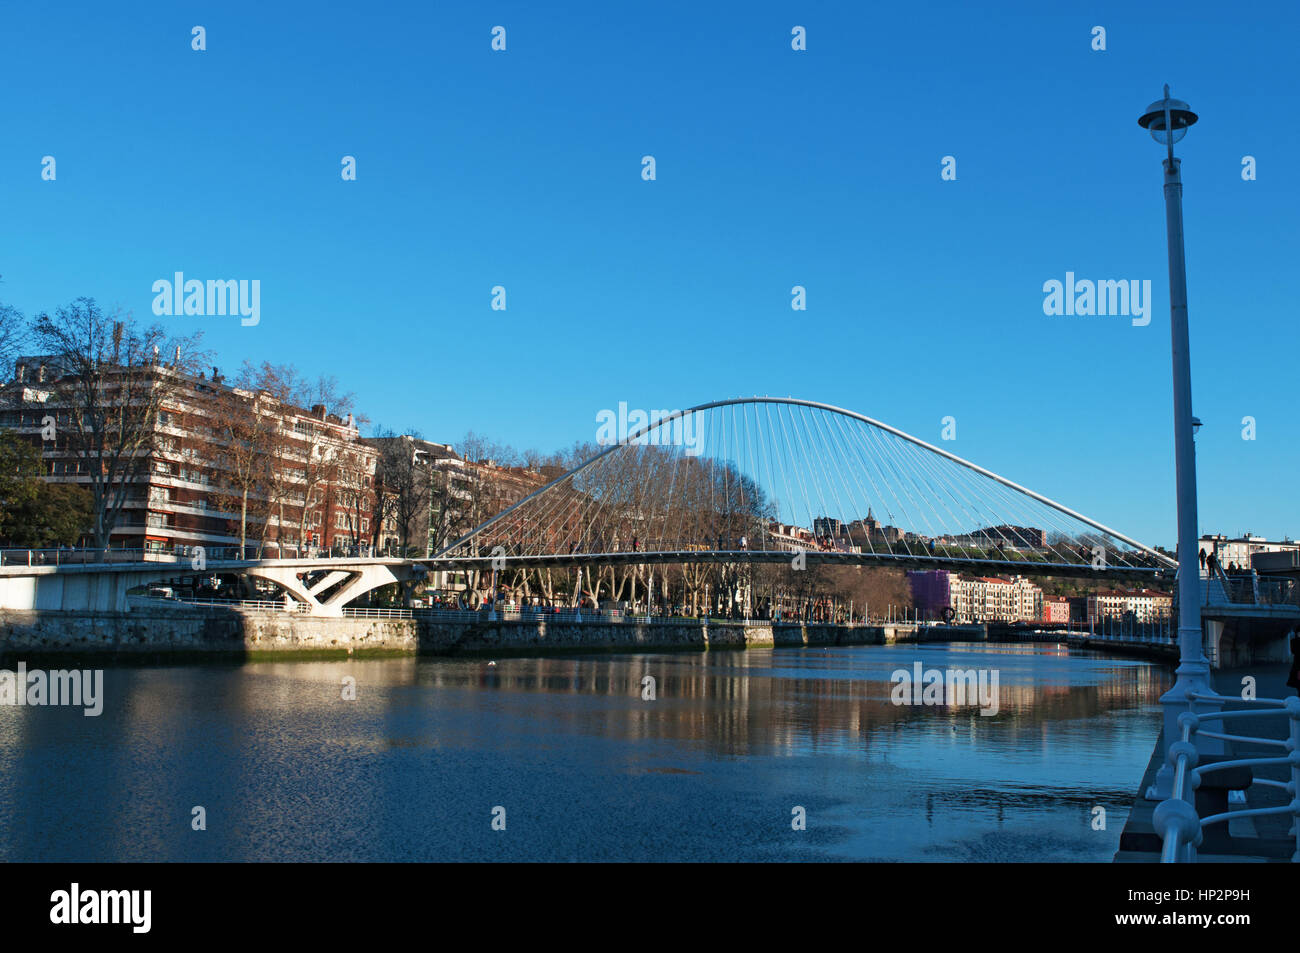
(318, 472)
(976, 599)
(461, 495)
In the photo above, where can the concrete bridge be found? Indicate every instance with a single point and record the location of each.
(322, 586)
(1246, 618)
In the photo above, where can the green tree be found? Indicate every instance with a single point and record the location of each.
(20, 472)
(34, 513)
(59, 514)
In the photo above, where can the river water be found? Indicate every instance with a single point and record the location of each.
(579, 766)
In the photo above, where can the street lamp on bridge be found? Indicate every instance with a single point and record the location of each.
(1168, 120)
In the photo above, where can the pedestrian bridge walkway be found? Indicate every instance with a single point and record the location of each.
(68, 580)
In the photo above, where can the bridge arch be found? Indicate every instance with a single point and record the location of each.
(753, 477)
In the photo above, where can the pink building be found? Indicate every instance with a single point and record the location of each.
(1056, 609)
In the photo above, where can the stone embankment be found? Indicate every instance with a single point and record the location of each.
(217, 631)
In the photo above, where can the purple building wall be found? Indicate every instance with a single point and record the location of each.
(930, 591)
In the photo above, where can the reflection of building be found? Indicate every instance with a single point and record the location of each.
(1140, 605)
(978, 599)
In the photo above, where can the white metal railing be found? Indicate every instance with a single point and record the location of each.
(369, 613)
(99, 557)
(260, 605)
(1248, 589)
(1175, 818)
(1151, 632)
(179, 555)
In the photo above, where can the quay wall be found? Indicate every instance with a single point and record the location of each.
(243, 633)
(216, 631)
(197, 632)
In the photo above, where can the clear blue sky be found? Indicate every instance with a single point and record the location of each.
(775, 168)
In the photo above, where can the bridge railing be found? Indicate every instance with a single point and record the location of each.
(1176, 819)
(103, 557)
(1244, 589)
(183, 556)
(258, 605)
(366, 612)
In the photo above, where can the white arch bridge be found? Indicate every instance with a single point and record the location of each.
(765, 479)
(759, 479)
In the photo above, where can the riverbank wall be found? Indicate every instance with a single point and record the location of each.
(216, 631)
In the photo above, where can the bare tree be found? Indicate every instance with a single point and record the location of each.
(281, 385)
(323, 460)
(407, 482)
(108, 373)
(243, 424)
(13, 332)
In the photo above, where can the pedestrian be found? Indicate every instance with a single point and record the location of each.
(1202, 559)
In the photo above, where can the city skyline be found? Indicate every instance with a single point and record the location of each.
(924, 297)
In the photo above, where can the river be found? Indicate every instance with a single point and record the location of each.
(732, 753)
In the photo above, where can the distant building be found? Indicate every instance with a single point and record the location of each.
(1017, 537)
(828, 526)
(790, 539)
(461, 493)
(869, 532)
(931, 591)
(978, 599)
(1240, 549)
(1056, 609)
(1140, 605)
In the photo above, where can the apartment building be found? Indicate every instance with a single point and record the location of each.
(977, 599)
(1056, 609)
(1239, 549)
(1141, 605)
(306, 474)
(454, 496)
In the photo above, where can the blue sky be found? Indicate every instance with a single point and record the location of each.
(775, 168)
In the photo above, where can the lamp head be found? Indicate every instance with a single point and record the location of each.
(1167, 119)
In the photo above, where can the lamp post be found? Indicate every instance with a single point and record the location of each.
(1168, 121)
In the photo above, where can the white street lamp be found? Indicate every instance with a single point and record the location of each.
(1168, 121)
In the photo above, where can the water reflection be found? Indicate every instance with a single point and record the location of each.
(287, 769)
